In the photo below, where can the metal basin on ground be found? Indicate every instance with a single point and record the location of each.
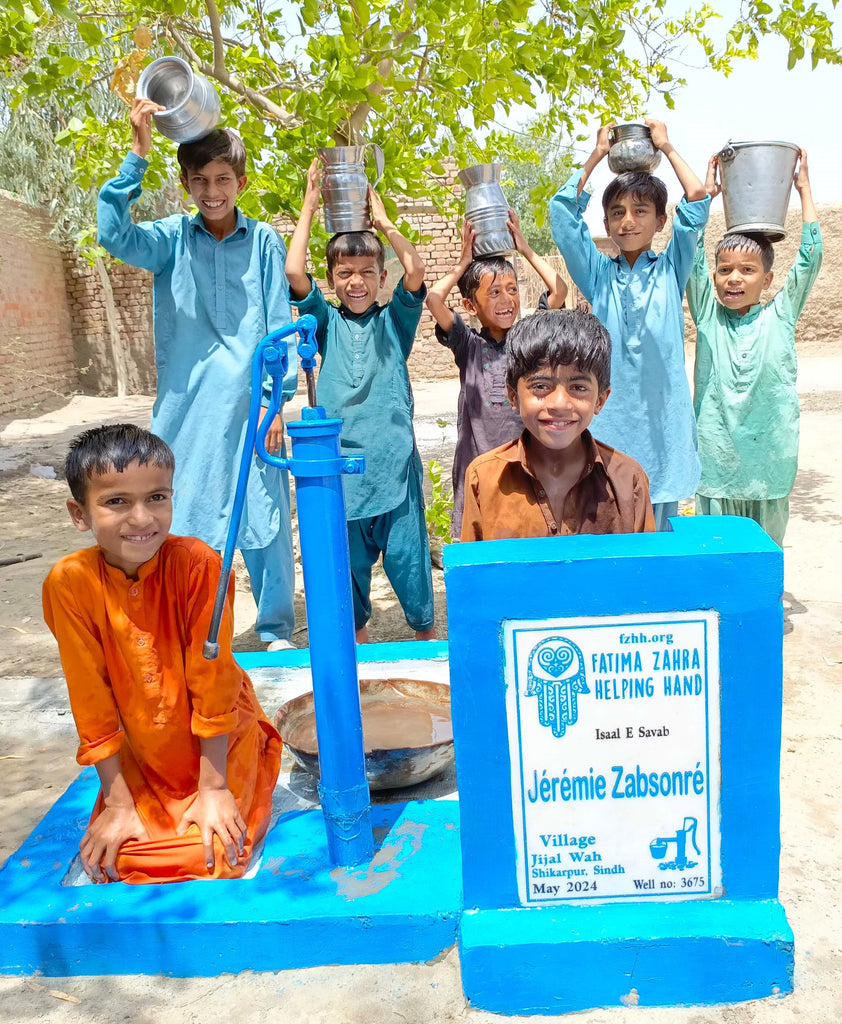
(407, 731)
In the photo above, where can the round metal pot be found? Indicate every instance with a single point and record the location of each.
(191, 102)
(632, 149)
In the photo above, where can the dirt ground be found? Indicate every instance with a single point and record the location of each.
(37, 763)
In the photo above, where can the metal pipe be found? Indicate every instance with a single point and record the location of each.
(317, 466)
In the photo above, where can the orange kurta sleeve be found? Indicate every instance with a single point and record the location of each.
(67, 598)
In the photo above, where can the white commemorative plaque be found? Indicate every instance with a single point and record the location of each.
(614, 737)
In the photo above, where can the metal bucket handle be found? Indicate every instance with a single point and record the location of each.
(727, 154)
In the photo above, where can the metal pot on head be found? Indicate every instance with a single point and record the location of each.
(487, 208)
(756, 184)
(632, 148)
(191, 102)
(345, 186)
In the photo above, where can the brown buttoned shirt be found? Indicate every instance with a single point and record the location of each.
(503, 497)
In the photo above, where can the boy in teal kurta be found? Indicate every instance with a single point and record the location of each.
(363, 380)
(745, 397)
(219, 287)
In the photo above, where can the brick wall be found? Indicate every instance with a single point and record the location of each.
(132, 292)
(36, 346)
(54, 336)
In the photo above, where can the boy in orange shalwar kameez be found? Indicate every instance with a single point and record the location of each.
(186, 758)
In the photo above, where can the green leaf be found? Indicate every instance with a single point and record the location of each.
(90, 33)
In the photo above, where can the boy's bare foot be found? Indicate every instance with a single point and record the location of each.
(362, 635)
(428, 634)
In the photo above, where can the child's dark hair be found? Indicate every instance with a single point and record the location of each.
(469, 282)
(638, 185)
(355, 243)
(559, 337)
(222, 144)
(757, 244)
(113, 446)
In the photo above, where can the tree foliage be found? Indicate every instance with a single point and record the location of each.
(532, 173)
(427, 79)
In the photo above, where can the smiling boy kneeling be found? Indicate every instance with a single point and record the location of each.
(555, 479)
(186, 758)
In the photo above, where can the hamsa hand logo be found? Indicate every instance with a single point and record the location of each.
(556, 676)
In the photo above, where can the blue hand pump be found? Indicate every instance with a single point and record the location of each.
(317, 466)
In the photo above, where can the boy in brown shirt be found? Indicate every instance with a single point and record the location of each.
(555, 479)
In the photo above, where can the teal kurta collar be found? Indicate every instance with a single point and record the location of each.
(240, 228)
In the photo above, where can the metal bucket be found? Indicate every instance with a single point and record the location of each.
(632, 148)
(487, 208)
(192, 103)
(345, 186)
(756, 184)
(397, 752)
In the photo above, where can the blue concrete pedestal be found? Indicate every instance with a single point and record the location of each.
(542, 931)
(545, 960)
(297, 911)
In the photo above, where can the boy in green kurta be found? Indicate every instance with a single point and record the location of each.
(363, 379)
(746, 401)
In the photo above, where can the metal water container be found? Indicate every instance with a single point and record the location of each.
(756, 184)
(345, 186)
(487, 208)
(632, 148)
(192, 103)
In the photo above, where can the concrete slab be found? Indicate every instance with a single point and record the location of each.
(296, 909)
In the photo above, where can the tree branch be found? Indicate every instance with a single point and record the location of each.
(218, 42)
(360, 113)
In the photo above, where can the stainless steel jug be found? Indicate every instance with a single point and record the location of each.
(756, 184)
(192, 103)
(632, 148)
(345, 186)
(487, 208)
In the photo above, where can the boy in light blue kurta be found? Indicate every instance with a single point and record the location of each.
(363, 380)
(746, 399)
(637, 296)
(219, 287)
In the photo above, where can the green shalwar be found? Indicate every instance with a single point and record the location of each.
(745, 400)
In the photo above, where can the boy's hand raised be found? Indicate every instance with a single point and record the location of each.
(312, 193)
(101, 843)
(215, 811)
(466, 254)
(603, 142)
(379, 218)
(141, 121)
(660, 139)
(713, 186)
(802, 177)
(801, 181)
(513, 224)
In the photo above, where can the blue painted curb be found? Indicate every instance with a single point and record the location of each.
(544, 960)
(297, 911)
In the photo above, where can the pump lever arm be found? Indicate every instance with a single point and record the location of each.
(273, 358)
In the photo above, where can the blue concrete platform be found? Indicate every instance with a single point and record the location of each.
(550, 960)
(297, 911)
